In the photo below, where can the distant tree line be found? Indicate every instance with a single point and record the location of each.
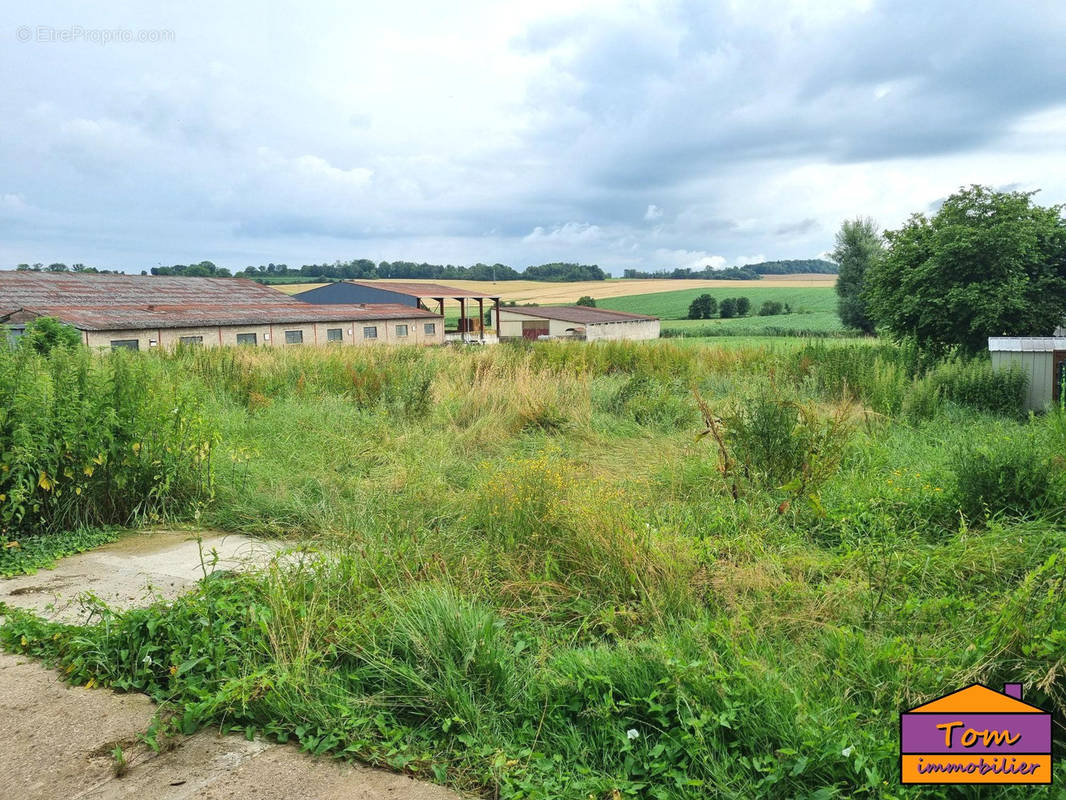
(706, 307)
(748, 272)
(365, 269)
(687, 273)
(795, 266)
(58, 267)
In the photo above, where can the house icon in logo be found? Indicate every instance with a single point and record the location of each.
(976, 735)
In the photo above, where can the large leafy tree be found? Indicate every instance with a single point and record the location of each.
(986, 264)
(858, 245)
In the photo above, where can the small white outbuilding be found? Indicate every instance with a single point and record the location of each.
(575, 322)
(1041, 358)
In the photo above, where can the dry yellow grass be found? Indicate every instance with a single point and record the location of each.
(547, 293)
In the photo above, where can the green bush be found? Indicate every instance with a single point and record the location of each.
(1003, 475)
(44, 334)
(89, 440)
(978, 385)
(771, 308)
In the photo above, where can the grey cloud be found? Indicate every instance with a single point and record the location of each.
(286, 136)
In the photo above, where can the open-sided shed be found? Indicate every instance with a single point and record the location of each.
(412, 293)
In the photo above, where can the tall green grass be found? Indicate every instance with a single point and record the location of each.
(523, 572)
(91, 441)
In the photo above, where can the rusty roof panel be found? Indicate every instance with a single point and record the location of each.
(580, 314)
(81, 289)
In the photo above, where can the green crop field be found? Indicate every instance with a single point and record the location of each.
(701, 568)
(674, 305)
(818, 323)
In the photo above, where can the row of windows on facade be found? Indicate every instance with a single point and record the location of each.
(291, 337)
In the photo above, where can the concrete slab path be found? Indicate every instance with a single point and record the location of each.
(56, 740)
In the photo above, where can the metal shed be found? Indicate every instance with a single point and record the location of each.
(1041, 358)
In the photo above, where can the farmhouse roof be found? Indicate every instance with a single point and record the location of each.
(193, 315)
(579, 314)
(82, 289)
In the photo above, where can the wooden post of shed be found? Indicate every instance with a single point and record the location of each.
(481, 317)
(496, 301)
(462, 319)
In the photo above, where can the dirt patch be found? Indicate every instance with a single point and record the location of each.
(56, 741)
(133, 571)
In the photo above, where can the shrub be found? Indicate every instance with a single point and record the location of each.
(978, 385)
(44, 334)
(727, 309)
(1002, 475)
(586, 300)
(743, 306)
(89, 440)
(771, 308)
(773, 442)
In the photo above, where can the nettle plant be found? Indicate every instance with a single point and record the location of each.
(90, 440)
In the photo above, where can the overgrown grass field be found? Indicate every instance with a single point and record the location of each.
(562, 570)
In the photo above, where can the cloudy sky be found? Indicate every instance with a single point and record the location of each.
(646, 134)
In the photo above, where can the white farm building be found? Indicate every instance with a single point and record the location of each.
(577, 322)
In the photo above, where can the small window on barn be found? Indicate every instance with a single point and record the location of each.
(125, 344)
(370, 332)
(335, 334)
(294, 337)
(191, 341)
(401, 330)
(430, 328)
(246, 338)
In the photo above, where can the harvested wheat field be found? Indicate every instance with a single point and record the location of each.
(546, 293)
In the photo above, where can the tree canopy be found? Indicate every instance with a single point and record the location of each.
(858, 245)
(703, 307)
(986, 264)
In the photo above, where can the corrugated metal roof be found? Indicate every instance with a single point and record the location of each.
(128, 302)
(18, 289)
(415, 289)
(195, 315)
(1026, 344)
(579, 314)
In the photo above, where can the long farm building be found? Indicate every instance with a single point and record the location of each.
(145, 312)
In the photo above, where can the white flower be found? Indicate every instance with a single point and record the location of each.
(847, 751)
(632, 733)
(146, 660)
